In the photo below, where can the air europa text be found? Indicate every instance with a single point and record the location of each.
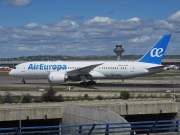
(46, 67)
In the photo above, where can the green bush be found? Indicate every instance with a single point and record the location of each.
(27, 99)
(99, 97)
(60, 98)
(50, 96)
(80, 98)
(86, 96)
(124, 95)
(8, 97)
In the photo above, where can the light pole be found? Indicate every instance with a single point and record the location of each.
(20, 113)
(174, 92)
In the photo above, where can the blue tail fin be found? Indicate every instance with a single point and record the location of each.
(156, 53)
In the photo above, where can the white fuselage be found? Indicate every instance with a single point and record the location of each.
(107, 70)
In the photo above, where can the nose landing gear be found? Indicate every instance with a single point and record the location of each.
(23, 81)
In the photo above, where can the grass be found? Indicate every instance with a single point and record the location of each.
(5, 88)
(38, 99)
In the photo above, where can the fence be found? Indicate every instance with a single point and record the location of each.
(129, 128)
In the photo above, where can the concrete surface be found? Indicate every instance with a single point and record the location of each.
(54, 110)
(75, 114)
(9, 112)
(133, 107)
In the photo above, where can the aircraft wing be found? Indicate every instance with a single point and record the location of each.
(83, 70)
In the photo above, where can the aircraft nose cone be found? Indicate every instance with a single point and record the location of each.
(11, 73)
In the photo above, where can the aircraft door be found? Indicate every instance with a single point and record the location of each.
(132, 68)
(23, 68)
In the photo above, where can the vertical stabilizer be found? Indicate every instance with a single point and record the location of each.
(156, 53)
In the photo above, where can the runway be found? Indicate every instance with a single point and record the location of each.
(105, 88)
(16, 82)
(139, 81)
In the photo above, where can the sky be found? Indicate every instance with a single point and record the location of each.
(86, 27)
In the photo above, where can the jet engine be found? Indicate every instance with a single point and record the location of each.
(57, 77)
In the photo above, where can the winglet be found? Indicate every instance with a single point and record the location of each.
(156, 53)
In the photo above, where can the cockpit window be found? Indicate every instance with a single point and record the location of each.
(14, 67)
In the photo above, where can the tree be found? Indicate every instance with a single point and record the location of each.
(50, 96)
(124, 95)
(86, 96)
(99, 97)
(8, 98)
(27, 98)
(60, 98)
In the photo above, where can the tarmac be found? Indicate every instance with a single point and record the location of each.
(106, 88)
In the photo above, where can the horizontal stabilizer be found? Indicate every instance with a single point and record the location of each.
(161, 66)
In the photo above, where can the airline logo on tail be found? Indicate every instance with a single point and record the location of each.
(156, 53)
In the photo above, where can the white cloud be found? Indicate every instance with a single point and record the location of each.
(134, 19)
(15, 3)
(31, 25)
(141, 39)
(99, 19)
(23, 48)
(175, 17)
(1, 27)
(50, 47)
(99, 34)
(164, 24)
(64, 26)
(72, 17)
(17, 36)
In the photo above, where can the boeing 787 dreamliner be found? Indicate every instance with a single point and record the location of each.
(89, 71)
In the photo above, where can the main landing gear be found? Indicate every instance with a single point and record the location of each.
(88, 83)
(85, 83)
(23, 81)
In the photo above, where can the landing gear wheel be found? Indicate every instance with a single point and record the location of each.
(23, 81)
(82, 83)
(89, 83)
(93, 83)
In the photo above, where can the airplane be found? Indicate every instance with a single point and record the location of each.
(59, 72)
(171, 67)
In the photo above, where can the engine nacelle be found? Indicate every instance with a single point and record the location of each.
(57, 77)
